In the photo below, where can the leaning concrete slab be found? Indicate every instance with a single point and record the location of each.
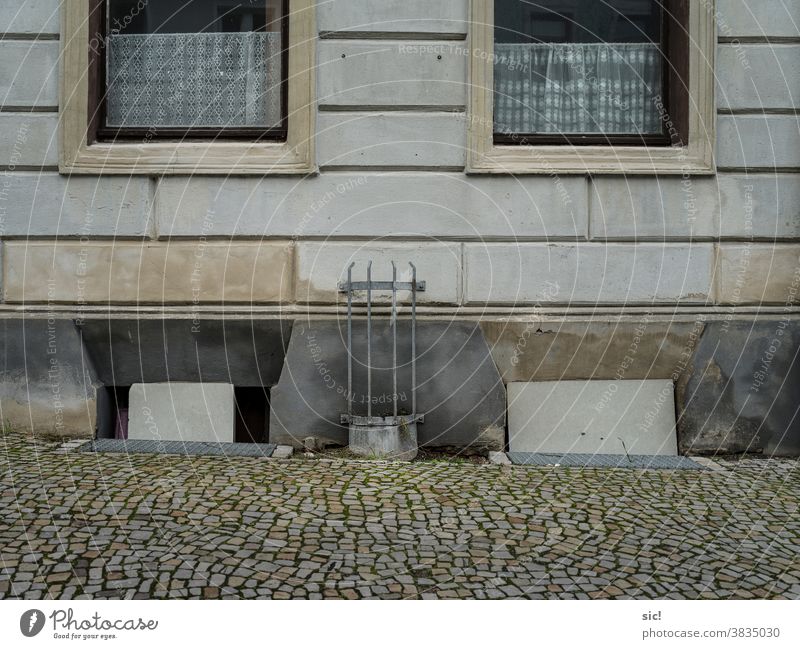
(189, 412)
(619, 417)
(460, 391)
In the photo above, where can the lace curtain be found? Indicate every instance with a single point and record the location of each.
(183, 80)
(606, 88)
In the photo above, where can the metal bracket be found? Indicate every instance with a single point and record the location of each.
(346, 287)
(399, 420)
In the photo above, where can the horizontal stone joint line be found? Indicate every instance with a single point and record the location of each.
(391, 108)
(28, 109)
(391, 36)
(759, 40)
(758, 111)
(29, 36)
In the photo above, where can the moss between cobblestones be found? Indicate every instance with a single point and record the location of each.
(425, 455)
(145, 526)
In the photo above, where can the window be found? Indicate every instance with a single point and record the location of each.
(601, 86)
(579, 72)
(191, 68)
(188, 86)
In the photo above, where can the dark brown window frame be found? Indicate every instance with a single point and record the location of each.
(675, 74)
(97, 131)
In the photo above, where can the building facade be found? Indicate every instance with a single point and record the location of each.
(137, 248)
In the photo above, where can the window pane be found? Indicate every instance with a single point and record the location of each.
(194, 63)
(578, 67)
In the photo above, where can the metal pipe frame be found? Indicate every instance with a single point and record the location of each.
(369, 286)
(369, 339)
(350, 341)
(413, 338)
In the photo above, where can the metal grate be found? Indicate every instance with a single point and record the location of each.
(586, 460)
(351, 288)
(231, 449)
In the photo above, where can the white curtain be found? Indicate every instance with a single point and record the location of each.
(600, 88)
(183, 80)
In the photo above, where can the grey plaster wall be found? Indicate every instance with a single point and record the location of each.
(736, 380)
(241, 352)
(48, 385)
(740, 393)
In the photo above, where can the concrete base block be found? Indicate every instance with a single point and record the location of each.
(385, 442)
(190, 412)
(610, 417)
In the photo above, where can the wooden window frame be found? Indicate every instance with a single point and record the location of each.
(674, 14)
(209, 152)
(98, 94)
(688, 111)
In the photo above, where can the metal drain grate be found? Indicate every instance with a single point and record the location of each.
(231, 449)
(586, 460)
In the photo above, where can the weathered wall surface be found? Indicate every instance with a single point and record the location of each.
(47, 381)
(736, 377)
(242, 352)
(740, 391)
(391, 132)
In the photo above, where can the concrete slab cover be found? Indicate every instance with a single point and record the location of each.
(190, 412)
(612, 417)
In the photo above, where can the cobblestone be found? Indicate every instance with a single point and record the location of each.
(116, 526)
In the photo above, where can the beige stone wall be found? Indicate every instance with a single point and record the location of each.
(390, 148)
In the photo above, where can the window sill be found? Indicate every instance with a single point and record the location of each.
(565, 159)
(169, 158)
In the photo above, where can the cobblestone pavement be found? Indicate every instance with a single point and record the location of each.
(115, 526)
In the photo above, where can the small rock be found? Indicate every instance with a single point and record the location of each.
(283, 452)
(498, 457)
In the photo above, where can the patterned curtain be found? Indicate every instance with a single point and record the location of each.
(184, 80)
(600, 88)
